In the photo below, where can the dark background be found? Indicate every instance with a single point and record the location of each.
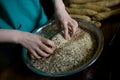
(48, 7)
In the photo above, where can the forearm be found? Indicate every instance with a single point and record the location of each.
(9, 36)
(58, 5)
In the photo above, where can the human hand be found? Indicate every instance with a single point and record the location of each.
(38, 46)
(69, 24)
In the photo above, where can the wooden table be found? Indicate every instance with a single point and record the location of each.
(100, 70)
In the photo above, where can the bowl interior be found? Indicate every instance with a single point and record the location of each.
(47, 30)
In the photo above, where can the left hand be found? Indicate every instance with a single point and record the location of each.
(69, 24)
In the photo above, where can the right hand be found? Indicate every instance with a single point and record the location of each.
(37, 45)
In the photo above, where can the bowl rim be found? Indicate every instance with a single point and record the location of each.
(83, 67)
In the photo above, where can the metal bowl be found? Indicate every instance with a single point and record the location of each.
(52, 31)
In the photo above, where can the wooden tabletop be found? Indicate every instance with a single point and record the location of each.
(98, 71)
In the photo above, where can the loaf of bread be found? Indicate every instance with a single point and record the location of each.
(90, 6)
(88, 12)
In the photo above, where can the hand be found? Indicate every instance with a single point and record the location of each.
(69, 24)
(38, 46)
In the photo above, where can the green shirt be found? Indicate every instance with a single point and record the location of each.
(22, 15)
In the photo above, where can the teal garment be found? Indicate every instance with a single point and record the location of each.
(24, 15)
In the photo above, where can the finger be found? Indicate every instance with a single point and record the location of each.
(66, 34)
(48, 43)
(35, 54)
(46, 48)
(41, 52)
(73, 26)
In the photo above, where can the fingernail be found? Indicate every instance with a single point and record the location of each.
(39, 57)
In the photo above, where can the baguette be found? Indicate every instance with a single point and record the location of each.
(96, 23)
(79, 1)
(106, 3)
(104, 15)
(92, 7)
(81, 16)
(87, 12)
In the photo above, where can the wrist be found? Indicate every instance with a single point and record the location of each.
(17, 37)
(9, 36)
